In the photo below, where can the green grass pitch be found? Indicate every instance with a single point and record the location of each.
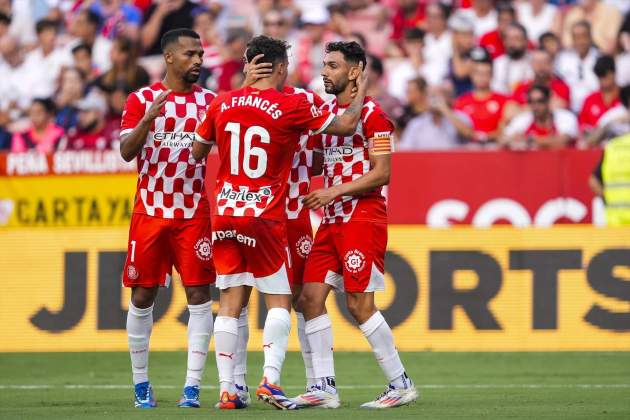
(452, 385)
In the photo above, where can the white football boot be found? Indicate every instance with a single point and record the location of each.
(393, 397)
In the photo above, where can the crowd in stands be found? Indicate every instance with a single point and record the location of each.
(491, 74)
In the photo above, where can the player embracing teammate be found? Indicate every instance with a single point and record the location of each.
(257, 131)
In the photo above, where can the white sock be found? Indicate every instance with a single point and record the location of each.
(139, 326)
(240, 361)
(380, 337)
(320, 338)
(199, 334)
(306, 350)
(275, 342)
(225, 338)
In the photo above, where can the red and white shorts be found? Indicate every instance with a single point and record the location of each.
(300, 239)
(349, 256)
(157, 244)
(251, 251)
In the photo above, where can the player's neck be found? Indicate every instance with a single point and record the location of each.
(177, 85)
(345, 98)
(263, 84)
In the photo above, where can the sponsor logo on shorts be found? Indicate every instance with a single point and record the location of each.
(354, 261)
(219, 235)
(132, 272)
(203, 249)
(304, 245)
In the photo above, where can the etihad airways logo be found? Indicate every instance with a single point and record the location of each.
(336, 154)
(229, 193)
(179, 139)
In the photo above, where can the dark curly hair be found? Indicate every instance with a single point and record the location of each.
(274, 50)
(352, 51)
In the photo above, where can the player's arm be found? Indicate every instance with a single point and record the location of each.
(131, 144)
(204, 137)
(346, 124)
(378, 175)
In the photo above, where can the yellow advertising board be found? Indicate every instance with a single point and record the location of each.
(561, 288)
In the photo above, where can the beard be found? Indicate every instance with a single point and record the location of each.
(190, 77)
(515, 54)
(336, 88)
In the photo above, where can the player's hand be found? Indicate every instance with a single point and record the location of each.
(157, 107)
(361, 80)
(319, 198)
(255, 71)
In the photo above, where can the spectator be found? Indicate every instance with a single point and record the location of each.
(5, 134)
(370, 19)
(623, 58)
(72, 87)
(13, 92)
(42, 66)
(229, 72)
(542, 127)
(493, 41)
(42, 134)
(416, 102)
(438, 128)
(603, 18)
(460, 64)
(92, 131)
(615, 122)
(82, 60)
(542, 66)
(275, 24)
(85, 27)
(5, 23)
(409, 14)
(575, 66)
(410, 67)
(512, 67)
(550, 43)
(125, 70)
(483, 106)
(309, 47)
(119, 18)
(438, 41)
(482, 15)
(160, 18)
(538, 17)
(607, 97)
(205, 26)
(377, 90)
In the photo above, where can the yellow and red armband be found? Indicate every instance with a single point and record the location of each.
(381, 143)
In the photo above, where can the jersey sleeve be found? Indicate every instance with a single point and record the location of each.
(132, 114)
(309, 117)
(205, 132)
(379, 131)
(519, 124)
(566, 123)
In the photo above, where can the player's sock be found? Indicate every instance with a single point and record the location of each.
(199, 334)
(225, 339)
(139, 326)
(275, 342)
(320, 339)
(240, 361)
(380, 337)
(306, 351)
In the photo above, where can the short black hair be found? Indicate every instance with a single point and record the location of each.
(82, 47)
(519, 27)
(274, 50)
(415, 34)
(547, 35)
(506, 8)
(93, 18)
(445, 9)
(173, 36)
(44, 24)
(376, 65)
(540, 88)
(4, 18)
(47, 103)
(583, 23)
(352, 51)
(605, 64)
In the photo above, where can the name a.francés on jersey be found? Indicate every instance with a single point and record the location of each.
(256, 102)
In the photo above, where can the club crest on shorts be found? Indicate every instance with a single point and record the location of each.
(354, 261)
(303, 246)
(203, 249)
(132, 272)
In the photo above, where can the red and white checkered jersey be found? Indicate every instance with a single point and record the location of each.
(170, 180)
(257, 133)
(300, 176)
(347, 158)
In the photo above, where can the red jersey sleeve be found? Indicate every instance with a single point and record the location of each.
(132, 114)
(308, 116)
(379, 131)
(205, 131)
